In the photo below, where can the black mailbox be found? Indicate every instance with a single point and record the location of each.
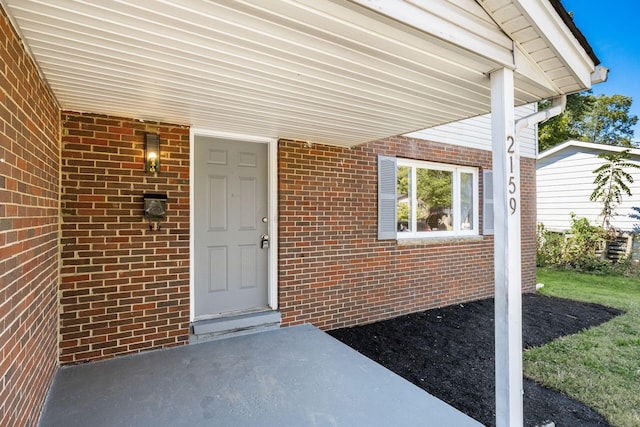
(155, 209)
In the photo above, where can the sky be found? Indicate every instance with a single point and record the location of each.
(612, 28)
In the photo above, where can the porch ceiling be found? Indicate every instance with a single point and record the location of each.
(338, 72)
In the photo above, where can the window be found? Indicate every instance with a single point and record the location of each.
(487, 199)
(429, 199)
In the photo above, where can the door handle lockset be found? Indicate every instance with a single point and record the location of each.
(264, 242)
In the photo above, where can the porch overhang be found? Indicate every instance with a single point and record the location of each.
(336, 72)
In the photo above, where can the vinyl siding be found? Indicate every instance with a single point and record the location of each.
(476, 133)
(565, 183)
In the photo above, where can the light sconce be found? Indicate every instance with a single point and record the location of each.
(152, 152)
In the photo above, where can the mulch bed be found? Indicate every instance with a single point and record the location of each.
(449, 352)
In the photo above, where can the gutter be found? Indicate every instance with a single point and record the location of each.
(558, 105)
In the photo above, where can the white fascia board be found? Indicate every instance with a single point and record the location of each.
(551, 151)
(589, 145)
(557, 35)
(494, 47)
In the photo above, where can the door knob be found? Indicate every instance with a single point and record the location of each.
(264, 241)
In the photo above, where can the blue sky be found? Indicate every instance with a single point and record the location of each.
(613, 31)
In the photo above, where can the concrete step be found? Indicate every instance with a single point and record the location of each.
(225, 327)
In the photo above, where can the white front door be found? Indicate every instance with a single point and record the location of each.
(230, 227)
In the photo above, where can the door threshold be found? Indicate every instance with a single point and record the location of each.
(234, 325)
(228, 314)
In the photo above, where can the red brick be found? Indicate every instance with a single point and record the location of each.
(125, 261)
(333, 270)
(29, 181)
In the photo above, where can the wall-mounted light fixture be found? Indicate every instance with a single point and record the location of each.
(152, 152)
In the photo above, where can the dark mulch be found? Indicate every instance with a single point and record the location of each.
(449, 352)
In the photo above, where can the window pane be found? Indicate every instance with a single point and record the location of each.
(466, 201)
(434, 190)
(404, 198)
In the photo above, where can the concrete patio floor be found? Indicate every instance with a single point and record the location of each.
(297, 376)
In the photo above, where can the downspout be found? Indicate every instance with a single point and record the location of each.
(558, 105)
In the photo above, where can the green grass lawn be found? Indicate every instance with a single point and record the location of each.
(600, 366)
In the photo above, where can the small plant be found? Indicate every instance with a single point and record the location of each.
(611, 181)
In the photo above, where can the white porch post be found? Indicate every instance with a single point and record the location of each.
(507, 249)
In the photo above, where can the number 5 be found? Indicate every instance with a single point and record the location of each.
(512, 184)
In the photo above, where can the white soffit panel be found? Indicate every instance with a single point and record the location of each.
(545, 41)
(332, 72)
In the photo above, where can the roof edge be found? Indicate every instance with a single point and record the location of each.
(589, 145)
(568, 20)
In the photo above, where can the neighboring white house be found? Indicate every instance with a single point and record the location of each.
(565, 183)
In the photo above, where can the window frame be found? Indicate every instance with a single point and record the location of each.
(457, 171)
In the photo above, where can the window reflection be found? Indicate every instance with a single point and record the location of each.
(404, 205)
(434, 197)
(466, 201)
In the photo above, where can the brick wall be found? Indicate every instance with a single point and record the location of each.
(333, 270)
(124, 288)
(528, 202)
(29, 224)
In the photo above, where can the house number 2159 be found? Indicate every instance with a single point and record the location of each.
(512, 185)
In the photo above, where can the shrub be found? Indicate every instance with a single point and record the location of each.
(549, 247)
(579, 249)
(584, 245)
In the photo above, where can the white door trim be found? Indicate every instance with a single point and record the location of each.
(272, 263)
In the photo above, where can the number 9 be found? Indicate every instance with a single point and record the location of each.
(512, 205)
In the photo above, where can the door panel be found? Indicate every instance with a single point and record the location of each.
(218, 269)
(248, 266)
(230, 266)
(217, 206)
(248, 208)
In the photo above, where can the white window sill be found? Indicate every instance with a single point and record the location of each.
(438, 240)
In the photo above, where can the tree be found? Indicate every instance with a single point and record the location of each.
(611, 181)
(562, 127)
(608, 121)
(433, 188)
(601, 119)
